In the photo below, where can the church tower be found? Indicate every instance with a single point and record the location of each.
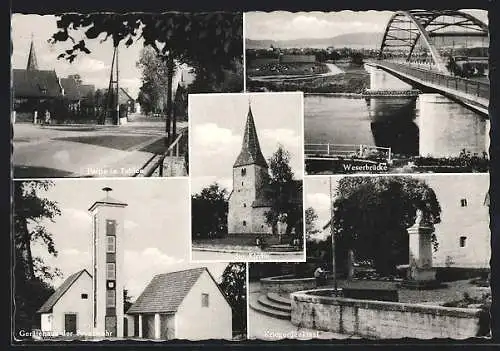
(247, 202)
(107, 266)
(32, 61)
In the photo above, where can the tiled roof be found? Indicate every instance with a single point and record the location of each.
(250, 150)
(166, 292)
(52, 300)
(35, 84)
(71, 89)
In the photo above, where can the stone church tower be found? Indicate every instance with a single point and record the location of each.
(107, 265)
(248, 201)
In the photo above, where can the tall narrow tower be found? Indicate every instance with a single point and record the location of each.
(247, 202)
(107, 260)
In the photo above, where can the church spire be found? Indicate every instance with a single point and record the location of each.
(32, 62)
(250, 150)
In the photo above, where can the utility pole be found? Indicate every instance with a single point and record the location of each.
(334, 268)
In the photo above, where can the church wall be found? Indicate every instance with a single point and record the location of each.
(195, 322)
(245, 190)
(72, 302)
(259, 224)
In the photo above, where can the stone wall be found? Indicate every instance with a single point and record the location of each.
(381, 320)
(286, 284)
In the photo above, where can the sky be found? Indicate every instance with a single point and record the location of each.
(281, 25)
(157, 227)
(94, 68)
(217, 123)
(317, 191)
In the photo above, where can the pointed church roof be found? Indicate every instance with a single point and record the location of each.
(250, 150)
(32, 62)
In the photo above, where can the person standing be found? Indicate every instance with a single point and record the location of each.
(47, 116)
(35, 116)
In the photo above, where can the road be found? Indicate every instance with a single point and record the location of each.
(87, 150)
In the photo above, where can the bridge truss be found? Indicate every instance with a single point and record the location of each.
(406, 29)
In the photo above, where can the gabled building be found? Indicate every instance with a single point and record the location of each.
(69, 309)
(186, 304)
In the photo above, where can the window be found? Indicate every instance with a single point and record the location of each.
(110, 298)
(110, 227)
(244, 223)
(241, 183)
(243, 172)
(463, 240)
(110, 243)
(463, 202)
(110, 271)
(85, 296)
(204, 300)
(244, 205)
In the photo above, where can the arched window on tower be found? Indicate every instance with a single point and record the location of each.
(243, 172)
(244, 223)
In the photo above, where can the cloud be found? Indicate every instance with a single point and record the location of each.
(75, 214)
(128, 224)
(212, 139)
(88, 64)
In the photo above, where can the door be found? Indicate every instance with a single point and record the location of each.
(70, 323)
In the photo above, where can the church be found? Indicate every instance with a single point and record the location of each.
(175, 305)
(251, 198)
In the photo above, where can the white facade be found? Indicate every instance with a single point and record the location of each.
(193, 321)
(71, 302)
(463, 234)
(102, 213)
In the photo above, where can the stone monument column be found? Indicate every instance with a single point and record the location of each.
(421, 275)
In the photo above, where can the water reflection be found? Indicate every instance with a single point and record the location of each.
(431, 125)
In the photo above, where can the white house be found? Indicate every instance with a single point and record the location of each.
(182, 305)
(68, 311)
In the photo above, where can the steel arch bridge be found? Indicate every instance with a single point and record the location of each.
(407, 28)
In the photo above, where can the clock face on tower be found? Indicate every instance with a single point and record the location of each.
(110, 284)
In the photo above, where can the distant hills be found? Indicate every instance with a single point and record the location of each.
(362, 40)
(358, 40)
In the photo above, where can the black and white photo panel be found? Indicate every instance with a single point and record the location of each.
(389, 257)
(111, 262)
(105, 94)
(385, 91)
(246, 166)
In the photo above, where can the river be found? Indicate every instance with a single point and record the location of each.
(431, 125)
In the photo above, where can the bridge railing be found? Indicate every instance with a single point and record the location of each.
(328, 151)
(155, 165)
(468, 86)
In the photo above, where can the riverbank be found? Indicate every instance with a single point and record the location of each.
(350, 79)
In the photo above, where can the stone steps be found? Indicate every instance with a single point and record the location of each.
(265, 301)
(279, 299)
(271, 312)
(281, 248)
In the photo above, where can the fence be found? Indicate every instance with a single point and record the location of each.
(472, 87)
(329, 151)
(155, 165)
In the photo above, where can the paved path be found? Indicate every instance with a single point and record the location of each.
(264, 327)
(86, 151)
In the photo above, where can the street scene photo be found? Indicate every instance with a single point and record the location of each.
(388, 257)
(105, 95)
(246, 167)
(384, 91)
(111, 262)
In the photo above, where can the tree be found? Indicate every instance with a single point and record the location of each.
(210, 41)
(357, 58)
(31, 275)
(209, 211)
(153, 91)
(284, 193)
(127, 300)
(372, 214)
(234, 287)
(311, 217)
